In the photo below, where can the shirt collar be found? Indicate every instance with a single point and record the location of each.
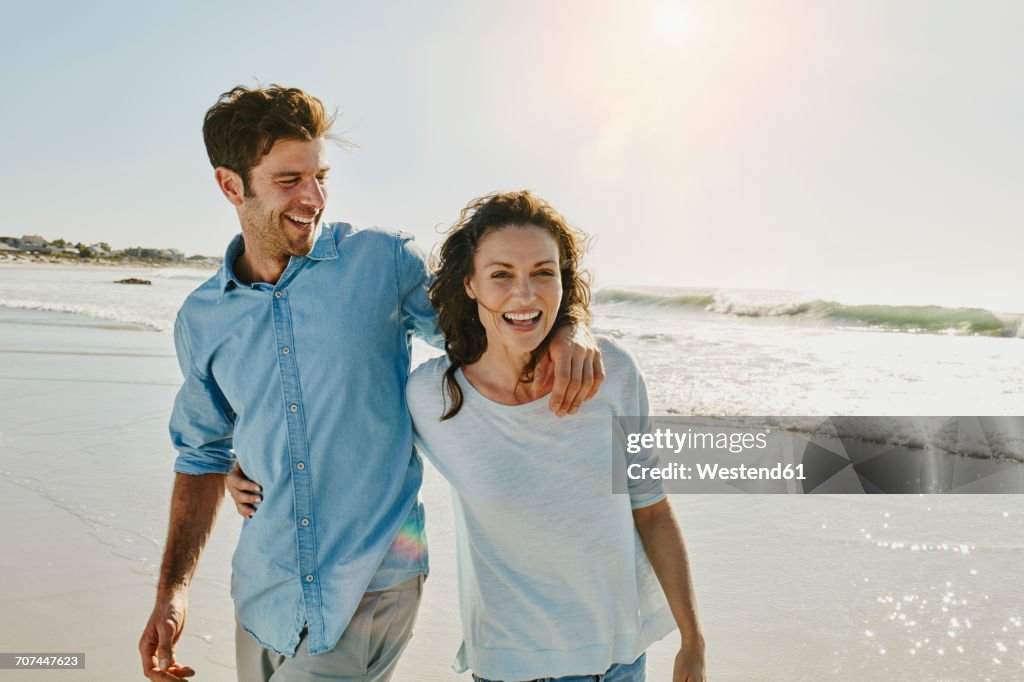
(227, 269)
(324, 248)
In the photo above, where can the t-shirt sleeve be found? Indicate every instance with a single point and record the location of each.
(202, 422)
(645, 491)
(414, 281)
(424, 394)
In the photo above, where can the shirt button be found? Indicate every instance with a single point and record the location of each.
(305, 522)
(286, 350)
(278, 294)
(309, 578)
(293, 407)
(300, 466)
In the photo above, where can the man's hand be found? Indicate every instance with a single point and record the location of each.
(689, 666)
(158, 639)
(578, 371)
(245, 493)
(194, 503)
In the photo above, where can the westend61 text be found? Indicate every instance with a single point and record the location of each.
(710, 472)
(667, 439)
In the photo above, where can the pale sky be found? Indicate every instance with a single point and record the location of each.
(868, 148)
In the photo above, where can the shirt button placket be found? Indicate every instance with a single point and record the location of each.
(302, 510)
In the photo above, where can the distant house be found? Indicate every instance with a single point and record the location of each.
(155, 254)
(33, 244)
(98, 251)
(7, 248)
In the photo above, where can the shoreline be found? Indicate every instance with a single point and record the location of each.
(74, 261)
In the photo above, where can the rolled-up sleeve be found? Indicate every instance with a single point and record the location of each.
(414, 279)
(202, 422)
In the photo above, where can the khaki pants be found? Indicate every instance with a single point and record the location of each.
(368, 650)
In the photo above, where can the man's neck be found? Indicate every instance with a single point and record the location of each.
(251, 268)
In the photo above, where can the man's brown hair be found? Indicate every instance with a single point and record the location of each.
(244, 124)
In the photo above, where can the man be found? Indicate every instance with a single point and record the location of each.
(295, 356)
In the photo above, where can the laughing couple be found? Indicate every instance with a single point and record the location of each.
(296, 359)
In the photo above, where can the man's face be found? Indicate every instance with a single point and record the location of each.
(287, 195)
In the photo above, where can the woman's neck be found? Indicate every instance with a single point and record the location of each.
(496, 375)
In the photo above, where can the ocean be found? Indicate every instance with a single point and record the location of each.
(703, 351)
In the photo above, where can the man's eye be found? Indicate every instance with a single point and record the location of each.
(322, 179)
(289, 182)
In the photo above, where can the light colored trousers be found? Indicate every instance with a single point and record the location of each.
(368, 650)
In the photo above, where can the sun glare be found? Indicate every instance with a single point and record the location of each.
(674, 21)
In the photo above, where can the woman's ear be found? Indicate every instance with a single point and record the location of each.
(469, 289)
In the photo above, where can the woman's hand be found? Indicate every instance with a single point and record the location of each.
(689, 665)
(244, 493)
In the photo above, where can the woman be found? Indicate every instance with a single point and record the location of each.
(558, 577)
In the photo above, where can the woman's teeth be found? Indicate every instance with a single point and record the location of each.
(521, 317)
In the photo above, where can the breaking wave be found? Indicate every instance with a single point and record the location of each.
(896, 318)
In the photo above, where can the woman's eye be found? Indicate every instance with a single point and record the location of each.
(546, 273)
(500, 275)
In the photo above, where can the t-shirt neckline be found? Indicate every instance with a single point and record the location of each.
(471, 391)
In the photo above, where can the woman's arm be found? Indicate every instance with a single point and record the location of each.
(663, 542)
(245, 493)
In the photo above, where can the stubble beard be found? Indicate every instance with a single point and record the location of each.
(266, 230)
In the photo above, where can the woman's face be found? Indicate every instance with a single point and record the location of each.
(517, 285)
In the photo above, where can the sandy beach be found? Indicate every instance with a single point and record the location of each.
(790, 588)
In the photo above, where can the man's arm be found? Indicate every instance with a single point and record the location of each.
(414, 279)
(578, 368)
(663, 543)
(194, 505)
(202, 431)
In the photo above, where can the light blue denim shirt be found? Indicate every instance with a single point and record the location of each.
(304, 383)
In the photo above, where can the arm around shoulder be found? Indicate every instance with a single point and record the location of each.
(414, 279)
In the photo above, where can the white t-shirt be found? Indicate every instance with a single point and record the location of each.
(553, 578)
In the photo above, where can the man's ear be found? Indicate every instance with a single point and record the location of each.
(230, 184)
(469, 289)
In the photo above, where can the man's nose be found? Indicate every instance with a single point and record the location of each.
(314, 194)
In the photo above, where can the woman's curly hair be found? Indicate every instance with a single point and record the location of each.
(457, 314)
